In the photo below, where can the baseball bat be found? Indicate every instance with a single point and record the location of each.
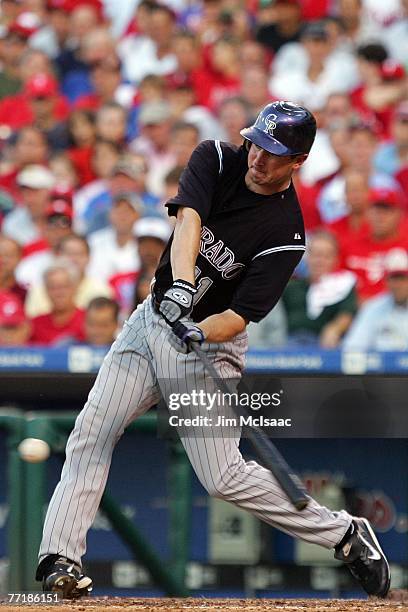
(267, 452)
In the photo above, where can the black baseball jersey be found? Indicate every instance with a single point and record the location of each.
(250, 243)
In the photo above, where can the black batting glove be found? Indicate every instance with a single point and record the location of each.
(177, 302)
(185, 334)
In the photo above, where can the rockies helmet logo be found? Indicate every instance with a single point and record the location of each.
(270, 124)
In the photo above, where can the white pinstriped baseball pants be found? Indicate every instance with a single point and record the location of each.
(127, 385)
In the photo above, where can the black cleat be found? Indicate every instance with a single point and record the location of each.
(63, 576)
(364, 558)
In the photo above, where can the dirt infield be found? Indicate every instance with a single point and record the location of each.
(397, 601)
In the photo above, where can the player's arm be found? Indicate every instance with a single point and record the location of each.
(178, 299)
(186, 244)
(191, 207)
(223, 326)
(184, 251)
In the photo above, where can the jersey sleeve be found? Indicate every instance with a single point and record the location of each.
(199, 180)
(264, 281)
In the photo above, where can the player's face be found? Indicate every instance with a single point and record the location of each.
(268, 173)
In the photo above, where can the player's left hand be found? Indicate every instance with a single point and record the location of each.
(177, 301)
(184, 334)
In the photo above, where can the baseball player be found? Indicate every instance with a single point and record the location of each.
(238, 236)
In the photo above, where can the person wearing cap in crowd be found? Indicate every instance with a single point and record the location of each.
(75, 249)
(58, 224)
(151, 235)
(366, 258)
(26, 222)
(113, 249)
(14, 327)
(101, 321)
(11, 50)
(382, 322)
(26, 147)
(39, 104)
(13, 44)
(64, 324)
(10, 256)
(391, 156)
(91, 212)
(114, 253)
(130, 175)
(49, 109)
(310, 70)
(154, 143)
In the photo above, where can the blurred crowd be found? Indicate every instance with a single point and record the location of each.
(102, 103)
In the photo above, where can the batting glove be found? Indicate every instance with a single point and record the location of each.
(177, 301)
(184, 335)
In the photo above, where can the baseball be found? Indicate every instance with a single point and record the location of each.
(34, 450)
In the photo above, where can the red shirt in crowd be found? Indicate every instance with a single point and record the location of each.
(380, 118)
(16, 111)
(81, 157)
(366, 258)
(345, 232)
(8, 182)
(46, 331)
(402, 178)
(307, 196)
(17, 290)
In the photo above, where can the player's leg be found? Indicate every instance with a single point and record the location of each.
(218, 463)
(214, 450)
(124, 389)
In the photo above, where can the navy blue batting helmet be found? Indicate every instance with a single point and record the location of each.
(283, 128)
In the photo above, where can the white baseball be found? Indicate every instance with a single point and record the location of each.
(34, 450)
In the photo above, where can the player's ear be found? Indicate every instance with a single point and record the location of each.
(299, 160)
(246, 144)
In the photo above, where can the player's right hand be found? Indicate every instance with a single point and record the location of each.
(177, 302)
